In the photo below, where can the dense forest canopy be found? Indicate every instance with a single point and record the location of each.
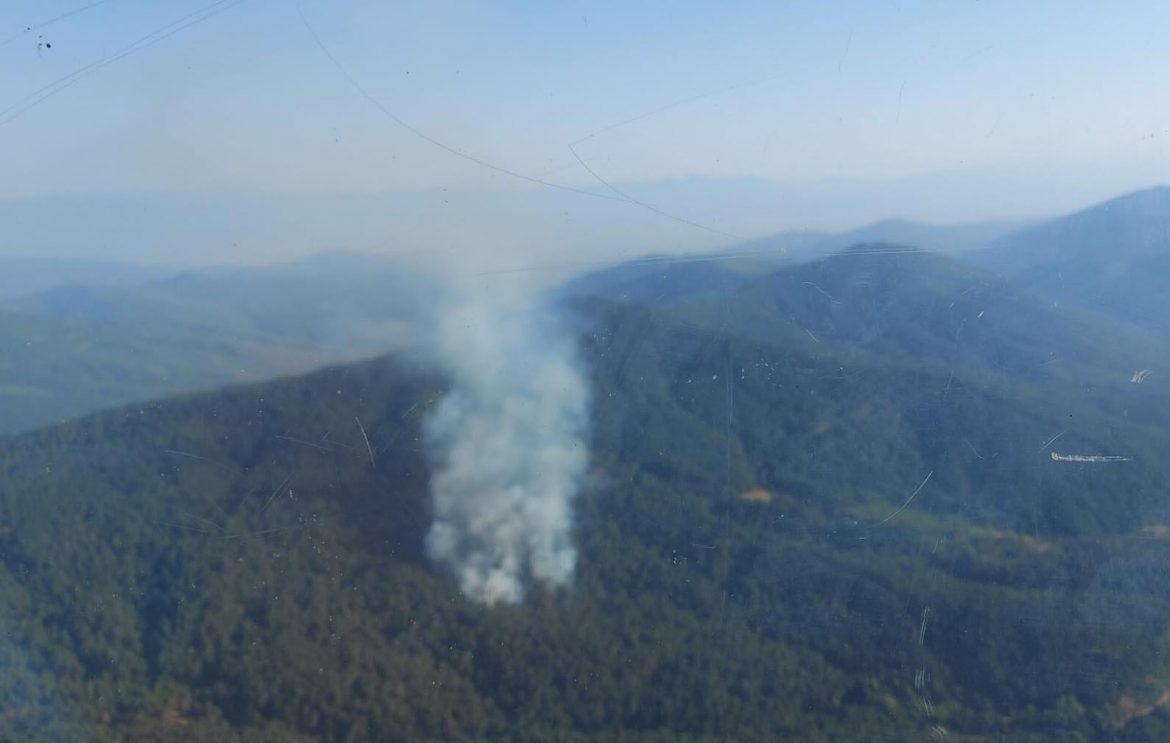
(860, 528)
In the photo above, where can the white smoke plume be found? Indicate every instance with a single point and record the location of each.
(508, 448)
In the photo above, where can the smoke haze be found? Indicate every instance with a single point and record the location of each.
(508, 449)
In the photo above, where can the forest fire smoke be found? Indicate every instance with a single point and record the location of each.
(508, 451)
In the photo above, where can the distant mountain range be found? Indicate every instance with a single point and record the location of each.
(656, 278)
(525, 225)
(82, 335)
(77, 348)
(23, 275)
(1109, 260)
(1113, 258)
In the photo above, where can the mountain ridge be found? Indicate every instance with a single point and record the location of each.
(74, 349)
(1107, 258)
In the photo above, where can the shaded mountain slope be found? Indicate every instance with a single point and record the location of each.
(1112, 258)
(926, 308)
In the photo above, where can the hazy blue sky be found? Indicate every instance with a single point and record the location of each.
(974, 110)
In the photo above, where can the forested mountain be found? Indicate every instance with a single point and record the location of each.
(78, 348)
(864, 533)
(1112, 258)
(112, 337)
(664, 278)
(927, 309)
(1109, 260)
(907, 305)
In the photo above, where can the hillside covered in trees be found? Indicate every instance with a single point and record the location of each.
(786, 530)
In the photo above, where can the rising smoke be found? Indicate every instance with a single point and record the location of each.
(508, 449)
